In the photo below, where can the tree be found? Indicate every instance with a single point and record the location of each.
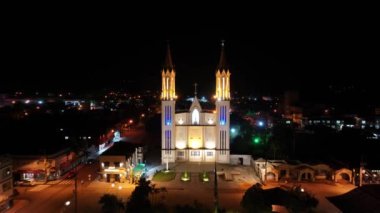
(110, 203)
(300, 201)
(139, 199)
(196, 207)
(254, 200)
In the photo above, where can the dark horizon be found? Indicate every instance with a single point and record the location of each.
(266, 60)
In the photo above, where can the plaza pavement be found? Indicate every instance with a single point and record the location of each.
(230, 193)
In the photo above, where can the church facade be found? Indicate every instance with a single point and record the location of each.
(196, 135)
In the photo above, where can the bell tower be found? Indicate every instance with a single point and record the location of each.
(222, 104)
(168, 97)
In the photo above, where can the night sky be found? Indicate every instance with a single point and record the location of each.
(266, 56)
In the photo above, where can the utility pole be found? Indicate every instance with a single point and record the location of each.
(361, 171)
(76, 193)
(361, 175)
(216, 189)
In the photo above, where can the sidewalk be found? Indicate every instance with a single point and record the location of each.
(17, 205)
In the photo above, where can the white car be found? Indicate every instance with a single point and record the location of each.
(25, 183)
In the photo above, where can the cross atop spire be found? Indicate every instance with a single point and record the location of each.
(222, 61)
(195, 89)
(168, 59)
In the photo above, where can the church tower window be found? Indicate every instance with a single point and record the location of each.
(195, 117)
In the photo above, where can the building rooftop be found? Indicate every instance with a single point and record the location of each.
(121, 148)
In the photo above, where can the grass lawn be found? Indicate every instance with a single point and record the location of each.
(164, 176)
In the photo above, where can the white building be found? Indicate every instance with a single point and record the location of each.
(122, 162)
(196, 135)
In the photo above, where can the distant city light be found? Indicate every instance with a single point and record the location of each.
(119, 187)
(302, 190)
(256, 139)
(40, 102)
(66, 137)
(67, 203)
(233, 130)
(131, 121)
(27, 101)
(89, 137)
(261, 123)
(116, 137)
(61, 129)
(142, 115)
(288, 122)
(112, 185)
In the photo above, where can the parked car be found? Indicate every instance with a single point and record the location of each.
(25, 183)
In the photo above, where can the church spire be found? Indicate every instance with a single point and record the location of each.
(222, 90)
(168, 78)
(222, 61)
(195, 89)
(168, 59)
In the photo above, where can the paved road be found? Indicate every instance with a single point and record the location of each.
(51, 198)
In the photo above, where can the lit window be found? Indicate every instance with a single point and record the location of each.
(210, 121)
(195, 116)
(180, 121)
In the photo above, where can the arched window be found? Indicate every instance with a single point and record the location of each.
(195, 116)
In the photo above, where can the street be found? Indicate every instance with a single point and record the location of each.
(51, 197)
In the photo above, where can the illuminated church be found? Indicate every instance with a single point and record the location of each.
(196, 135)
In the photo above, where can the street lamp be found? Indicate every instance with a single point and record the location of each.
(67, 203)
